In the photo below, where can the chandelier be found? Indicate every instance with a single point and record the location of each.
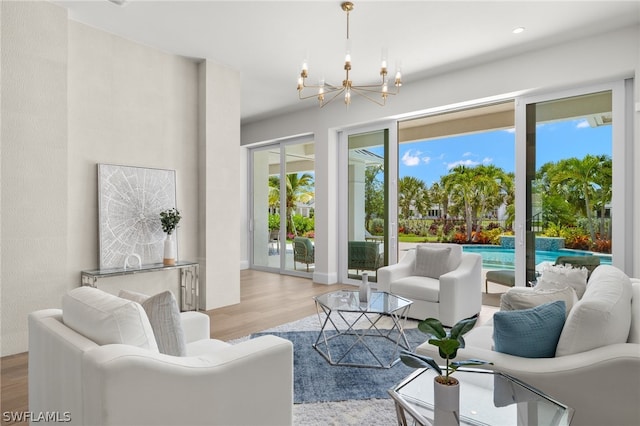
(376, 93)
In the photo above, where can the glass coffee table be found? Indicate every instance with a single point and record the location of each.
(486, 398)
(341, 343)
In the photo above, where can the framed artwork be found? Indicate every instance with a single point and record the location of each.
(129, 205)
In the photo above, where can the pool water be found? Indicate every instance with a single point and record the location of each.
(494, 257)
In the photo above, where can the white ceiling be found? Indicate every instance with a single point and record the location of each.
(266, 41)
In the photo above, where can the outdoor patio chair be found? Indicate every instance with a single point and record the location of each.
(303, 252)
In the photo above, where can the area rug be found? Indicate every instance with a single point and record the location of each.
(355, 412)
(315, 380)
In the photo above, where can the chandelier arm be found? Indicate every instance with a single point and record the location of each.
(338, 93)
(364, 95)
(369, 89)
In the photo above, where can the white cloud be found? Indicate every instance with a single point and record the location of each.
(487, 160)
(466, 163)
(426, 160)
(467, 154)
(512, 130)
(409, 159)
(583, 124)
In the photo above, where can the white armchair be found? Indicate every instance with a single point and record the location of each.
(455, 295)
(600, 379)
(216, 383)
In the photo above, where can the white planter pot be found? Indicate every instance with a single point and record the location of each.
(169, 258)
(446, 404)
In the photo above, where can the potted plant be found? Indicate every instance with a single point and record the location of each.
(446, 388)
(169, 220)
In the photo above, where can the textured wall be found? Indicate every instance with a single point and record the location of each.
(74, 96)
(34, 163)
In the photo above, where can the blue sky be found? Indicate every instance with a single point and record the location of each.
(432, 159)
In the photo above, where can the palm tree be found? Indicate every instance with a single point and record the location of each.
(460, 183)
(299, 189)
(412, 192)
(580, 178)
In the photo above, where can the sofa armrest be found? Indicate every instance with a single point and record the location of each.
(215, 388)
(388, 274)
(196, 326)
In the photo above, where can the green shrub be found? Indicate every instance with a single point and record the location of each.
(303, 224)
(274, 222)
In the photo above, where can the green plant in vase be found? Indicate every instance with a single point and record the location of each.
(169, 220)
(448, 343)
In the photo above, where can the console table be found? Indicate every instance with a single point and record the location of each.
(189, 281)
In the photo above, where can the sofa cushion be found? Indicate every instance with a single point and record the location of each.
(529, 333)
(432, 262)
(524, 298)
(107, 319)
(602, 317)
(561, 276)
(164, 316)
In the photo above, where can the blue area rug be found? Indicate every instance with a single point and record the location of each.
(315, 380)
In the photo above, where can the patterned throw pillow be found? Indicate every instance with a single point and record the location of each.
(525, 298)
(164, 316)
(529, 333)
(432, 262)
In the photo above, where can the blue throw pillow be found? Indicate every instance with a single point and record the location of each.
(529, 333)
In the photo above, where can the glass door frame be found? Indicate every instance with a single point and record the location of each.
(281, 146)
(620, 205)
(391, 190)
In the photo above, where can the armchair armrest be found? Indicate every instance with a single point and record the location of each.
(388, 274)
(461, 289)
(214, 388)
(196, 326)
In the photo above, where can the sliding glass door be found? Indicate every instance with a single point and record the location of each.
(368, 205)
(569, 199)
(282, 206)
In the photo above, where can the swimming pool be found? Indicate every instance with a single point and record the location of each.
(495, 257)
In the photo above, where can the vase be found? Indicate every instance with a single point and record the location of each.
(446, 404)
(169, 258)
(364, 292)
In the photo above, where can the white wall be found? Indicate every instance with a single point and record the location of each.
(219, 185)
(606, 57)
(74, 96)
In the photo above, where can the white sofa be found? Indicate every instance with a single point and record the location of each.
(131, 383)
(602, 381)
(456, 295)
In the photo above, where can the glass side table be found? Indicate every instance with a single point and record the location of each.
(342, 344)
(486, 398)
(189, 279)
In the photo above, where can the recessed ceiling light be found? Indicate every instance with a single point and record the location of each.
(518, 30)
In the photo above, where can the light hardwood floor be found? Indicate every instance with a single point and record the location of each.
(266, 300)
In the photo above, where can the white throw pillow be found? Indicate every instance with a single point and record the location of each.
(561, 276)
(525, 298)
(432, 262)
(164, 316)
(107, 319)
(602, 317)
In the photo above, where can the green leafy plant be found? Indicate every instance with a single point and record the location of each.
(448, 343)
(169, 220)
